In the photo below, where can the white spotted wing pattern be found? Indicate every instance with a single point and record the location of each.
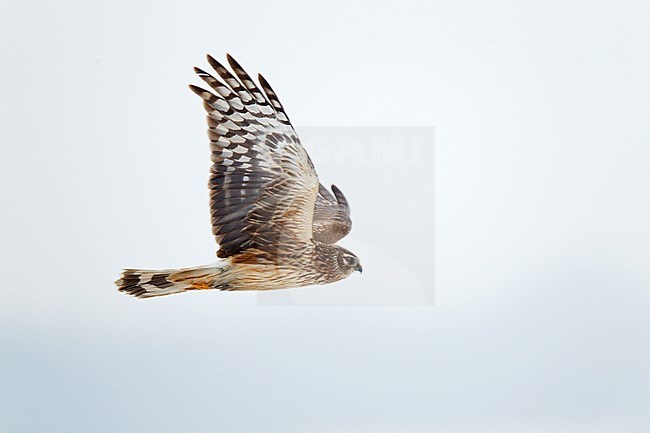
(263, 186)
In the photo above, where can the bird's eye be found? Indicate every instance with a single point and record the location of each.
(349, 260)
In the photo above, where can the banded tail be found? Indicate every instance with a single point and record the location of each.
(149, 283)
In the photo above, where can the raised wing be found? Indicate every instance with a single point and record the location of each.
(331, 216)
(263, 185)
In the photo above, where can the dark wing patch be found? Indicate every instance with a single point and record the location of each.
(263, 186)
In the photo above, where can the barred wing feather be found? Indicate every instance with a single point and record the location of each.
(263, 185)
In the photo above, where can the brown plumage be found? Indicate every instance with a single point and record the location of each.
(274, 222)
(331, 216)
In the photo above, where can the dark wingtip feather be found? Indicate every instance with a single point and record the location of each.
(199, 91)
(263, 81)
(339, 196)
(324, 192)
(200, 72)
(214, 62)
(268, 90)
(232, 60)
(239, 71)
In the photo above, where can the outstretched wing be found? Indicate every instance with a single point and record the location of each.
(263, 185)
(331, 216)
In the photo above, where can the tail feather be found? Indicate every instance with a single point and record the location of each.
(150, 283)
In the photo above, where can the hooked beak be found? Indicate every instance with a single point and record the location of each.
(360, 269)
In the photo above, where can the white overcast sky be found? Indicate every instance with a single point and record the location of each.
(542, 199)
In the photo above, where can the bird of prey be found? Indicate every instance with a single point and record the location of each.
(275, 224)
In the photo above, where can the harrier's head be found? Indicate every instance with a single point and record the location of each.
(335, 263)
(348, 262)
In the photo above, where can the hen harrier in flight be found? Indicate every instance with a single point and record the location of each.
(275, 224)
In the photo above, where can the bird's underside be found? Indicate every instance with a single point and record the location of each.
(274, 222)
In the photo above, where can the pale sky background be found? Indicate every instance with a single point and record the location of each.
(542, 204)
